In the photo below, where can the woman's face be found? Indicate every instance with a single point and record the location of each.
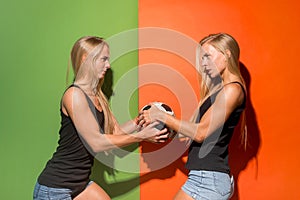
(102, 63)
(212, 61)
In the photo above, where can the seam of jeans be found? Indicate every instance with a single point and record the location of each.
(38, 190)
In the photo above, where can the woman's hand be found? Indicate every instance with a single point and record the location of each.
(152, 134)
(139, 121)
(152, 115)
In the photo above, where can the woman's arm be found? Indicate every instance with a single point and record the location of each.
(76, 106)
(226, 101)
(130, 126)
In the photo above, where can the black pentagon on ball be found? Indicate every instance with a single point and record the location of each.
(166, 107)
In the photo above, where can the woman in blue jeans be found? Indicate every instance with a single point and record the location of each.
(222, 102)
(87, 127)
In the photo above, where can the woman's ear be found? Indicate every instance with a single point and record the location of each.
(83, 58)
(228, 53)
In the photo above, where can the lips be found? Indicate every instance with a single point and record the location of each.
(208, 71)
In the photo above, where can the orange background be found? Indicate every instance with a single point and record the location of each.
(268, 34)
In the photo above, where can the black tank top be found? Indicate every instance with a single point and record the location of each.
(70, 166)
(212, 153)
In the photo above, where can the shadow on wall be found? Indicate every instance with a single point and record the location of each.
(108, 83)
(163, 160)
(239, 156)
(100, 171)
(115, 189)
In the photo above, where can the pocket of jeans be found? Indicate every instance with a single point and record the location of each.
(193, 181)
(222, 183)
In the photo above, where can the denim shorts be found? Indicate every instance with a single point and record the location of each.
(42, 192)
(208, 185)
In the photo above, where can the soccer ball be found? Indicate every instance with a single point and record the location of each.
(165, 108)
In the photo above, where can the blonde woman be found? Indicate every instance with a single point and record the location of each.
(87, 127)
(222, 102)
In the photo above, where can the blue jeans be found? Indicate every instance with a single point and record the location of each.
(42, 192)
(208, 185)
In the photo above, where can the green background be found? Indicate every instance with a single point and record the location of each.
(36, 39)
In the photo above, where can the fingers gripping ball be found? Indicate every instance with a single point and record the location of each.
(167, 109)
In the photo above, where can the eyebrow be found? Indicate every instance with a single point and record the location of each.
(206, 55)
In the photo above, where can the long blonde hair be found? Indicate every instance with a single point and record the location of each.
(84, 55)
(222, 42)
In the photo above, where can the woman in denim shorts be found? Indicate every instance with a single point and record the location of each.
(222, 104)
(87, 127)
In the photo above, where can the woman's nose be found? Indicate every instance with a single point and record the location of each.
(204, 64)
(107, 65)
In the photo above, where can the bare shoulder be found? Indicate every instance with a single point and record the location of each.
(72, 97)
(72, 94)
(234, 93)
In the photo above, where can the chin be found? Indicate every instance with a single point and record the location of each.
(100, 76)
(213, 76)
